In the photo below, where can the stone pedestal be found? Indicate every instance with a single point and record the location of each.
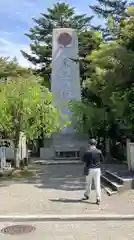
(47, 153)
(64, 146)
(130, 155)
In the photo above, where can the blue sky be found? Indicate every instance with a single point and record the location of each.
(16, 19)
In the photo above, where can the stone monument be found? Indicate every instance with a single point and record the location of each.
(65, 86)
(65, 81)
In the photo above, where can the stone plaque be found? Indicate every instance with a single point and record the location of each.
(64, 39)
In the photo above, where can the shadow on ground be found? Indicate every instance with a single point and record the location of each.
(64, 200)
(64, 177)
(67, 177)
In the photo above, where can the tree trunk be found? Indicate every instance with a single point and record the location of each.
(17, 153)
(108, 151)
(20, 149)
(128, 154)
(17, 157)
(3, 157)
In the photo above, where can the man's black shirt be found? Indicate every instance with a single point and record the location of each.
(93, 158)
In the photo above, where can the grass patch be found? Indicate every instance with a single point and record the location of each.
(23, 174)
(18, 175)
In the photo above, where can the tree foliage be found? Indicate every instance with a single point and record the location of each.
(112, 11)
(87, 117)
(10, 67)
(115, 8)
(26, 106)
(109, 84)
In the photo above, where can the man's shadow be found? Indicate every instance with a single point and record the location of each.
(64, 200)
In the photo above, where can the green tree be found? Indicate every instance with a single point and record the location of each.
(88, 41)
(126, 33)
(115, 8)
(112, 76)
(87, 117)
(26, 106)
(109, 80)
(61, 15)
(10, 67)
(106, 9)
(108, 101)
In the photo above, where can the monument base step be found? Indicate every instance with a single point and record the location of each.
(64, 146)
(56, 162)
(67, 154)
(66, 158)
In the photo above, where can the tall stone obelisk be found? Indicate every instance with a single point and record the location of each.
(65, 86)
(65, 81)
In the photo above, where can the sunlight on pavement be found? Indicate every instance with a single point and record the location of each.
(117, 230)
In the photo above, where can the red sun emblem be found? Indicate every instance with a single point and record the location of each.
(64, 39)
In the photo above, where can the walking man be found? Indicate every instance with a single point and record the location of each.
(92, 159)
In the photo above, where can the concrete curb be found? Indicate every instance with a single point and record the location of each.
(82, 217)
(56, 162)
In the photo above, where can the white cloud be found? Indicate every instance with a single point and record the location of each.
(22, 10)
(17, 19)
(10, 49)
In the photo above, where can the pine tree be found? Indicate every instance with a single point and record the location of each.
(115, 8)
(61, 15)
(107, 9)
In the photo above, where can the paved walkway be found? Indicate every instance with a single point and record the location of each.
(57, 190)
(77, 231)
